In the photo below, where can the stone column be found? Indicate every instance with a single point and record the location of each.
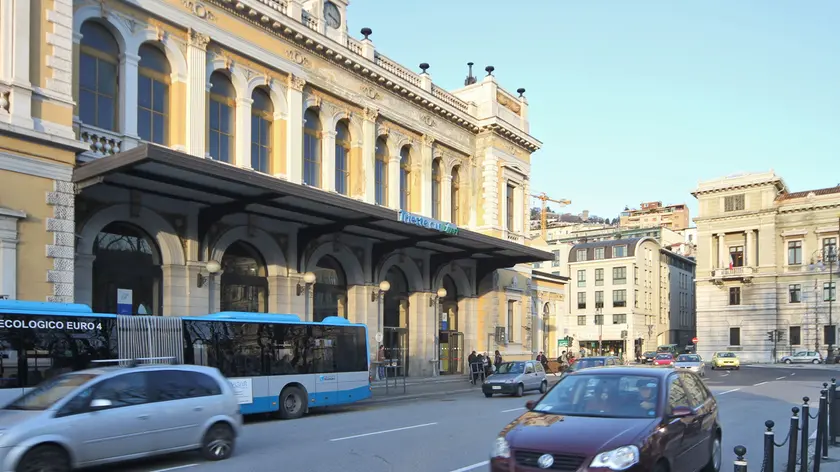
(394, 185)
(294, 132)
(369, 153)
(197, 87)
(445, 196)
(426, 159)
(242, 156)
(721, 251)
(128, 100)
(21, 96)
(176, 288)
(83, 279)
(8, 265)
(754, 249)
(328, 160)
(748, 247)
(7, 42)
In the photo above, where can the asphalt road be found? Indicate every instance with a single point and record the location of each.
(454, 433)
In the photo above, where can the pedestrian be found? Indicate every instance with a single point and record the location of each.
(543, 360)
(497, 361)
(488, 365)
(380, 360)
(471, 360)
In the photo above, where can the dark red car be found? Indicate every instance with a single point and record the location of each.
(663, 360)
(634, 419)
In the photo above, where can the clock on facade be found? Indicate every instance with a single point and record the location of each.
(332, 15)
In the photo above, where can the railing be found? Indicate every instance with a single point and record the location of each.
(354, 45)
(279, 6)
(5, 96)
(310, 21)
(514, 237)
(382, 61)
(101, 142)
(733, 272)
(450, 99)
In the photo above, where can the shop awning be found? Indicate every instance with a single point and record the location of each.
(223, 190)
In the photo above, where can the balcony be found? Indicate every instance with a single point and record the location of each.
(102, 142)
(734, 273)
(513, 237)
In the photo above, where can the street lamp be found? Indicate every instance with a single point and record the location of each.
(379, 294)
(827, 254)
(308, 279)
(435, 301)
(212, 268)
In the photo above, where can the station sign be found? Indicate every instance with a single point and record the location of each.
(428, 223)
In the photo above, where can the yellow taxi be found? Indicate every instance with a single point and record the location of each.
(725, 360)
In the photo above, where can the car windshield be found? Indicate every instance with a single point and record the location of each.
(688, 358)
(587, 363)
(650, 354)
(664, 356)
(511, 368)
(603, 395)
(726, 354)
(48, 393)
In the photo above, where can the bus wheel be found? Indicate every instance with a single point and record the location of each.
(292, 403)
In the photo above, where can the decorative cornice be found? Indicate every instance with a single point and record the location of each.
(512, 135)
(745, 186)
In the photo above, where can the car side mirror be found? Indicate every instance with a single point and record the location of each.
(530, 404)
(100, 403)
(680, 412)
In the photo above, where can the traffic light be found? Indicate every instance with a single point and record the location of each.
(771, 335)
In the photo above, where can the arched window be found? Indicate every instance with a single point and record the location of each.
(436, 189)
(262, 117)
(405, 178)
(98, 84)
(244, 282)
(311, 148)
(396, 321)
(222, 134)
(455, 194)
(153, 95)
(126, 258)
(342, 157)
(380, 171)
(450, 332)
(330, 291)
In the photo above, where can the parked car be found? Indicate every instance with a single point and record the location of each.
(804, 357)
(647, 357)
(588, 362)
(108, 415)
(692, 362)
(515, 378)
(663, 359)
(634, 419)
(725, 360)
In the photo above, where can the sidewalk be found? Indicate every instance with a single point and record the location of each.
(423, 387)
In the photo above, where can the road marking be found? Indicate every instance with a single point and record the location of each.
(513, 409)
(780, 378)
(383, 432)
(177, 467)
(760, 383)
(792, 374)
(725, 374)
(729, 391)
(472, 467)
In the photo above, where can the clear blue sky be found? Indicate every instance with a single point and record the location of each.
(637, 100)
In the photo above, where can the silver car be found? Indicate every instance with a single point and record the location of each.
(804, 357)
(516, 378)
(692, 362)
(106, 415)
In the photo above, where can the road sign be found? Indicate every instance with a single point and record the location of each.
(694, 340)
(378, 337)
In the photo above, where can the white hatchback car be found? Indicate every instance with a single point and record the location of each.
(107, 415)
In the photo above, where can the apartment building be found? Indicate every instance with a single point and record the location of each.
(763, 266)
(674, 217)
(629, 295)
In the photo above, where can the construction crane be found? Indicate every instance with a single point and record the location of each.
(544, 199)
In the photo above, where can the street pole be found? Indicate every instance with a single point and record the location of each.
(600, 313)
(832, 254)
(436, 334)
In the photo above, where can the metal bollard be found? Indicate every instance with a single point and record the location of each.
(740, 462)
(820, 433)
(823, 419)
(769, 446)
(831, 418)
(803, 448)
(793, 440)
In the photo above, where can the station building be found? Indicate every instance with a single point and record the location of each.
(182, 157)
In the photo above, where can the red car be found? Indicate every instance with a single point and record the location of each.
(663, 360)
(603, 419)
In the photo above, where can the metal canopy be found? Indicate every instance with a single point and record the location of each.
(224, 190)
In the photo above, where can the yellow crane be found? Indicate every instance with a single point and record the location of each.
(544, 199)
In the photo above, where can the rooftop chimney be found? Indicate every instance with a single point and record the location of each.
(470, 78)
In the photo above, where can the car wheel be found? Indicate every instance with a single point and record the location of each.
(292, 403)
(715, 459)
(661, 466)
(543, 387)
(520, 390)
(218, 443)
(488, 395)
(815, 361)
(713, 367)
(44, 459)
(788, 361)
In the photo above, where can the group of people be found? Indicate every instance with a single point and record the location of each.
(483, 364)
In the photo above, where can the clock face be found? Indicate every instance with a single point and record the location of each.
(332, 15)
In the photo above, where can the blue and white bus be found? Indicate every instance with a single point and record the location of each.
(276, 363)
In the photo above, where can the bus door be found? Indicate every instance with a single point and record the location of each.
(326, 380)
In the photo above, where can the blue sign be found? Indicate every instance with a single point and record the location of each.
(444, 326)
(124, 301)
(428, 223)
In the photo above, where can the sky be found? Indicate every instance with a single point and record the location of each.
(638, 100)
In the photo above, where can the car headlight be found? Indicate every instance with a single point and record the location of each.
(501, 448)
(617, 459)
